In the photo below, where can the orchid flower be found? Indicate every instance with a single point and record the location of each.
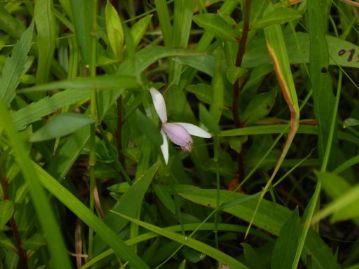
(178, 132)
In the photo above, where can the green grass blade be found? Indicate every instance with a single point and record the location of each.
(15, 66)
(216, 25)
(47, 105)
(82, 20)
(270, 217)
(99, 82)
(218, 88)
(285, 246)
(7, 211)
(176, 228)
(325, 106)
(345, 204)
(45, 214)
(130, 203)
(278, 52)
(139, 29)
(182, 22)
(150, 55)
(280, 128)
(66, 156)
(277, 16)
(347, 164)
(323, 97)
(88, 217)
(340, 51)
(190, 242)
(46, 38)
(165, 22)
(62, 124)
(10, 24)
(114, 30)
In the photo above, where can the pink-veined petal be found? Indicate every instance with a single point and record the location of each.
(194, 130)
(164, 147)
(178, 135)
(159, 104)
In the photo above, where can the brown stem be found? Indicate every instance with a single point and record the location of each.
(15, 231)
(242, 48)
(236, 95)
(241, 80)
(20, 251)
(243, 39)
(119, 131)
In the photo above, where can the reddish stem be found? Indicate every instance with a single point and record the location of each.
(241, 80)
(242, 48)
(15, 231)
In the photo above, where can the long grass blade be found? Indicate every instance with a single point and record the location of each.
(44, 212)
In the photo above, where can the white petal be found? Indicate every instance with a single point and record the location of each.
(194, 130)
(159, 103)
(164, 147)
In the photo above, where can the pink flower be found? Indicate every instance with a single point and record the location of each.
(178, 132)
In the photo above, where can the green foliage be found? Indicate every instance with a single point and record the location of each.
(61, 125)
(14, 67)
(46, 38)
(82, 180)
(285, 246)
(216, 25)
(114, 30)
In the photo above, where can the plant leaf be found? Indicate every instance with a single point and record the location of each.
(216, 25)
(190, 242)
(114, 29)
(277, 15)
(15, 67)
(61, 125)
(270, 217)
(46, 38)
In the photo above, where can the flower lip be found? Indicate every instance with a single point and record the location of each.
(178, 135)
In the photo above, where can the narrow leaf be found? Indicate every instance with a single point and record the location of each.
(286, 244)
(88, 217)
(165, 22)
(7, 211)
(83, 20)
(139, 29)
(277, 15)
(216, 25)
(270, 217)
(99, 82)
(114, 29)
(345, 206)
(61, 125)
(47, 105)
(44, 212)
(190, 242)
(15, 66)
(46, 38)
(130, 203)
(323, 96)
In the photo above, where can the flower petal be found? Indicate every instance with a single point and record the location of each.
(159, 103)
(178, 135)
(194, 130)
(164, 147)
